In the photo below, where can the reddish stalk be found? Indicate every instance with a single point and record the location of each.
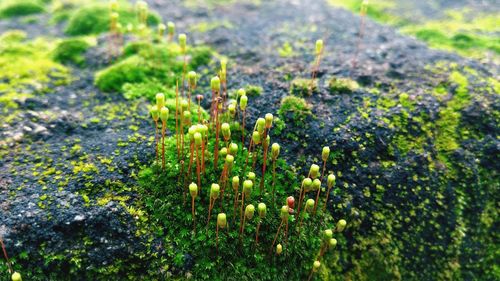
(11, 271)
(191, 158)
(210, 207)
(198, 160)
(319, 189)
(257, 232)
(156, 141)
(300, 198)
(265, 147)
(193, 213)
(243, 129)
(276, 237)
(274, 181)
(216, 147)
(163, 129)
(241, 211)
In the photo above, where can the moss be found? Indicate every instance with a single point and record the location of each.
(71, 51)
(340, 85)
(286, 50)
(26, 68)
(253, 90)
(208, 26)
(296, 105)
(303, 86)
(94, 19)
(15, 8)
(130, 70)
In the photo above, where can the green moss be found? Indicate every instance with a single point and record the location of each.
(286, 50)
(15, 8)
(131, 70)
(296, 105)
(253, 90)
(27, 65)
(71, 51)
(94, 19)
(208, 26)
(340, 85)
(303, 86)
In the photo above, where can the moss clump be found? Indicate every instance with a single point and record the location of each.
(341, 85)
(20, 8)
(303, 87)
(95, 19)
(297, 106)
(71, 51)
(253, 90)
(145, 62)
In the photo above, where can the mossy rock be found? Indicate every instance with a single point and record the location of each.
(71, 51)
(340, 85)
(303, 87)
(16, 8)
(95, 19)
(296, 105)
(253, 90)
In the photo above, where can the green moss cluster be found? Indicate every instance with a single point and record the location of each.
(303, 86)
(253, 90)
(16, 8)
(341, 85)
(145, 62)
(94, 19)
(71, 51)
(296, 105)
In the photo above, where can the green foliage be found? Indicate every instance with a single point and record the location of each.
(15, 8)
(296, 105)
(151, 64)
(340, 85)
(71, 51)
(303, 86)
(253, 90)
(94, 19)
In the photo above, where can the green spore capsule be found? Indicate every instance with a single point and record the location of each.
(332, 243)
(214, 191)
(197, 139)
(16, 276)
(284, 212)
(243, 103)
(229, 160)
(182, 42)
(223, 152)
(160, 101)
(236, 183)
(232, 109)
(314, 171)
(325, 153)
(341, 224)
(307, 183)
(221, 220)
(192, 79)
(154, 113)
(269, 120)
(319, 47)
(249, 211)
(261, 122)
(161, 29)
(251, 176)
(316, 265)
(226, 131)
(233, 148)
(241, 92)
(164, 114)
(113, 5)
(215, 84)
(330, 180)
(262, 209)
(114, 17)
(327, 234)
(310, 203)
(171, 28)
(279, 249)
(256, 137)
(247, 187)
(275, 150)
(193, 190)
(316, 184)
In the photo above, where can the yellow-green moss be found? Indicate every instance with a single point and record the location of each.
(71, 51)
(296, 105)
(303, 86)
(341, 85)
(15, 8)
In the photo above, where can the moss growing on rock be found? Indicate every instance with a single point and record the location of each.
(340, 85)
(295, 105)
(253, 90)
(303, 87)
(15, 8)
(95, 19)
(71, 51)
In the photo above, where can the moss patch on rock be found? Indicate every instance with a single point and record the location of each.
(299, 108)
(16, 8)
(71, 51)
(303, 86)
(94, 19)
(340, 85)
(253, 90)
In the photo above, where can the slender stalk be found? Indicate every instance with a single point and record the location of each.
(198, 160)
(300, 198)
(257, 232)
(241, 211)
(191, 159)
(265, 147)
(326, 199)
(248, 154)
(11, 271)
(156, 141)
(319, 189)
(193, 213)
(274, 181)
(163, 129)
(276, 237)
(216, 147)
(243, 129)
